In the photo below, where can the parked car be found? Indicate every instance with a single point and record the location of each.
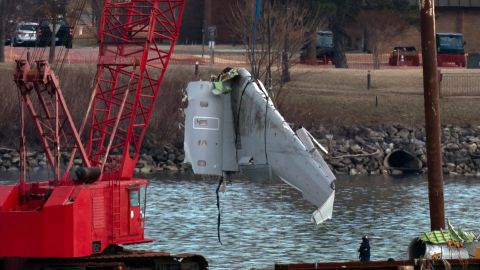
(404, 56)
(63, 36)
(8, 41)
(9, 28)
(324, 49)
(25, 33)
(451, 50)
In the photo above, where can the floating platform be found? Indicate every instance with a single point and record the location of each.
(116, 259)
(469, 264)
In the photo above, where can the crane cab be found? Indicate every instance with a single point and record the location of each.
(71, 221)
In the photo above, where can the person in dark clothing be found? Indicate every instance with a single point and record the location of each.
(364, 250)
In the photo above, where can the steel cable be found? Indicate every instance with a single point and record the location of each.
(220, 182)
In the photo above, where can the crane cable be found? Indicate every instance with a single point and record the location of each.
(220, 182)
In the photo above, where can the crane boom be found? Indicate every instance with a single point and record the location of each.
(104, 205)
(137, 39)
(42, 96)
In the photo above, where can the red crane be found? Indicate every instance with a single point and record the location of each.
(103, 205)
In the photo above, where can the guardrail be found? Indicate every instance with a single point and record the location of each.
(461, 83)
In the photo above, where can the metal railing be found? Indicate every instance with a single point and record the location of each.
(461, 83)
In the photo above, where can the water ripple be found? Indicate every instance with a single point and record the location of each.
(267, 223)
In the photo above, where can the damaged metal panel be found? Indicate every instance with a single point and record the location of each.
(203, 134)
(228, 135)
(209, 136)
(255, 137)
(276, 151)
(249, 110)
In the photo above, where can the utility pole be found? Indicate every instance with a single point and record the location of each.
(432, 115)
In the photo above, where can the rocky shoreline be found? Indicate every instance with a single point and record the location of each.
(362, 150)
(165, 158)
(352, 151)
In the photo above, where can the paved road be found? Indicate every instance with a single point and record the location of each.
(90, 55)
(189, 55)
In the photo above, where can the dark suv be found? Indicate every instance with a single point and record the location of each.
(64, 36)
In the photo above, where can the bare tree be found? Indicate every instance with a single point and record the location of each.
(96, 6)
(31, 10)
(339, 14)
(2, 30)
(7, 13)
(280, 36)
(53, 9)
(382, 26)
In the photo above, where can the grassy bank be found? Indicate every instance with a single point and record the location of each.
(76, 84)
(314, 96)
(341, 97)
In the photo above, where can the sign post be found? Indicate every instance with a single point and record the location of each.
(212, 35)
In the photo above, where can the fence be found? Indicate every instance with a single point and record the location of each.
(463, 82)
(460, 83)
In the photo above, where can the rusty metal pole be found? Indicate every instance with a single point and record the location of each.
(432, 115)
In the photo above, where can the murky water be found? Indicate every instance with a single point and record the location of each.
(267, 223)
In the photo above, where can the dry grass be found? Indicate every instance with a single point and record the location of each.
(77, 81)
(9, 108)
(340, 97)
(315, 96)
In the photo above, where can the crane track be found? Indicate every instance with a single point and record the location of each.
(117, 260)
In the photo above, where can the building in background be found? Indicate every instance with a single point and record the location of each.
(200, 14)
(193, 20)
(462, 16)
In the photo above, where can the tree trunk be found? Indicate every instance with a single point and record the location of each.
(285, 67)
(97, 7)
(376, 58)
(51, 55)
(339, 47)
(2, 30)
(268, 76)
(311, 49)
(285, 59)
(366, 41)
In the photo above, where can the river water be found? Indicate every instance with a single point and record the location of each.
(267, 223)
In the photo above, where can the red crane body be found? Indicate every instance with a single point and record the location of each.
(68, 217)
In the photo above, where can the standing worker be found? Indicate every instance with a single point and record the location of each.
(364, 250)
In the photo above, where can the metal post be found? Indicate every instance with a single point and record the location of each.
(212, 53)
(369, 80)
(197, 70)
(432, 115)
